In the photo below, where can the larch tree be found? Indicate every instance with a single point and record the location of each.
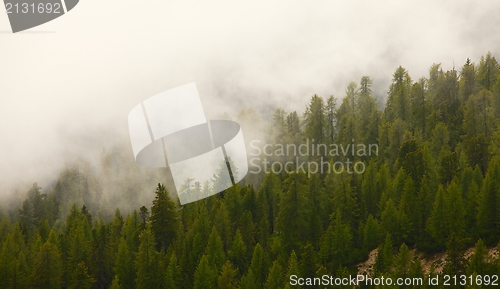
(47, 267)
(205, 276)
(164, 218)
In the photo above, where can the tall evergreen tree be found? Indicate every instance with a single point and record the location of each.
(488, 212)
(47, 267)
(124, 266)
(164, 218)
(398, 104)
(147, 263)
(292, 216)
(205, 277)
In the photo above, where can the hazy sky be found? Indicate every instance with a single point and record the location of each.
(66, 87)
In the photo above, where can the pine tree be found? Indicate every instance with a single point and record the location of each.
(124, 265)
(275, 277)
(308, 264)
(80, 279)
(398, 104)
(248, 231)
(390, 221)
(258, 267)
(314, 119)
(455, 262)
(228, 277)
(418, 103)
(47, 268)
(292, 267)
(164, 219)
(437, 220)
(79, 240)
(347, 113)
(214, 251)
(370, 192)
(488, 71)
(223, 225)
(478, 262)
(331, 119)
(115, 284)
(455, 210)
(488, 212)
(100, 261)
(368, 113)
(205, 277)
(336, 244)
(292, 216)
(371, 233)
(467, 80)
(147, 263)
(402, 262)
(22, 272)
(384, 257)
(9, 251)
(131, 230)
(173, 276)
(196, 240)
(237, 253)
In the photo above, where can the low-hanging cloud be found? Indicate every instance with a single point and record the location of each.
(66, 94)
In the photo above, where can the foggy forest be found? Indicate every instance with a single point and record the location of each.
(427, 203)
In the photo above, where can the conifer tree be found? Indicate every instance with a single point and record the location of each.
(331, 119)
(293, 215)
(147, 263)
(258, 267)
(487, 71)
(47, 267)
(80, 279)
(205, 277)
(402, 262)
(314, 119)
(455, 262)
(173, 276)
(479, 261)
(100, 257)
(164, 219)
(237, 253)
(384, 256)
(228, 277)
(308, 263)
(437, 220)
(275, 278)
(488, 212)
(467, 80)
(214, 251)
(292, 267)
(124, 266)
(398, 104)
(371, 233)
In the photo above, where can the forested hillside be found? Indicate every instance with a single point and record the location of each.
(432, 187)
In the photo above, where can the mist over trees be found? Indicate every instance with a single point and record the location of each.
(432, 188)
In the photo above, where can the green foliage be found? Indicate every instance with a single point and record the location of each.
(205, 276)
(124, 265)
(47, 268)
(433, 188)
(80, 278)
(163, 218)
(228, 277)
(488, 212)
(147, 263)
(292, 218)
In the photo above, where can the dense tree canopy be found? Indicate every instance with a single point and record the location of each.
(433, 186)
